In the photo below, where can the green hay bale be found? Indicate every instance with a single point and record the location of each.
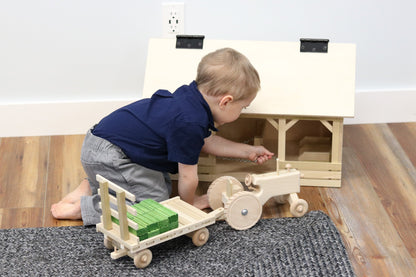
(152, 219)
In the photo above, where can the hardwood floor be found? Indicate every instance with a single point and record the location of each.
(374, 210)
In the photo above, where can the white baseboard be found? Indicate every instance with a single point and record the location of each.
(384, 107)
(46, 119)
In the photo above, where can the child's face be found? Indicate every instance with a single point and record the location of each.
(229, 110)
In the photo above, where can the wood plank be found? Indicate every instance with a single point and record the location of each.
(208, 160)
(121, 205)
(113, 200)
(314, 140)
(371, 239)
(320, 183)
(392, 167)
(314, 156)
(105, 206)
(330, 175)
(291, 123)
(132, 243)
(327, 125)
(116, 188)
(206, 169)
(273, 123)
(23, 171)
(337, 135)
(405, 133)
(65, 173)
(303, 165)
(281, 151)
(21, 217)
(185, 208)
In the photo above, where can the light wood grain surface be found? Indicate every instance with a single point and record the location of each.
(374, 210)
(292, 82)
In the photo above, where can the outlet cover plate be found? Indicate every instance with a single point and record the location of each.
(173, 15)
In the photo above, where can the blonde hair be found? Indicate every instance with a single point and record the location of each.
(227, 71)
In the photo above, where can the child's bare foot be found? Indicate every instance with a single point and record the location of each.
(64, 210)
(201, 201)
(82, 190)
(70, 206)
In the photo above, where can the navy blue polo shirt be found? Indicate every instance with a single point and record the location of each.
(160, 131)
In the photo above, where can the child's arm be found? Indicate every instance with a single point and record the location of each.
(187, 184)
(220, 146)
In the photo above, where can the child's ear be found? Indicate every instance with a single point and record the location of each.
(225, 100)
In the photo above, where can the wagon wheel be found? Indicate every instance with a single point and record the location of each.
(217, 187)
(143, 258)
(200, 237)
(243, 210)
(108, 243)
(299, 207)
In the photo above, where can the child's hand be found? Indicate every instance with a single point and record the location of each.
(260, 155)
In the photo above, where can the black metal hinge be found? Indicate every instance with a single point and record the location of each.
(314, 45)
(190, 41)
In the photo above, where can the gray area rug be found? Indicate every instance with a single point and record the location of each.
(306, 246)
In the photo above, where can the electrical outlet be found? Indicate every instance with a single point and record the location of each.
(173, 15)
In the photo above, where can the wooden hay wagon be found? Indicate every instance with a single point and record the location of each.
(122, 228)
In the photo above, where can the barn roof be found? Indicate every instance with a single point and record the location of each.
(293, 83)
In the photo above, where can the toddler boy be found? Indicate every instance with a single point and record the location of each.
(138, 145)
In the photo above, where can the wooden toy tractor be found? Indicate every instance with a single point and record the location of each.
(242, 209)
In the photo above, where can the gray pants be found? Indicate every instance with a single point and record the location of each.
(98, 156)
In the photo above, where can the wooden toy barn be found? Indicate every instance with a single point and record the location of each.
(307, 89)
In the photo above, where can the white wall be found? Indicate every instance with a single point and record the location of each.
(59, 53)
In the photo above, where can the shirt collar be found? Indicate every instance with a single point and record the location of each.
(204, 103)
